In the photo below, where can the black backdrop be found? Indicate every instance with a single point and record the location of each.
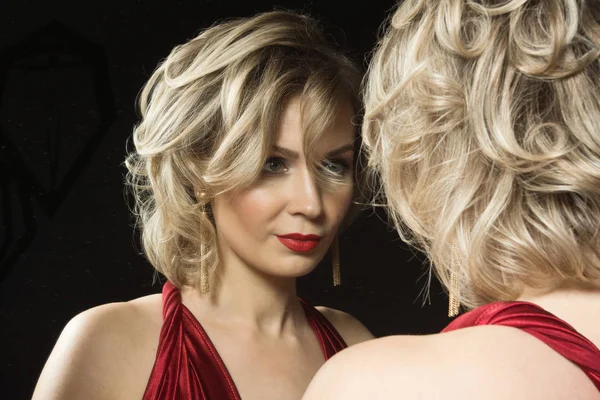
(69, 75)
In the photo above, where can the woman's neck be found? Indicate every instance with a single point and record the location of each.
(245, 297)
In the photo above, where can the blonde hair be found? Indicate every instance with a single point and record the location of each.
(209, 115)
(482, 122)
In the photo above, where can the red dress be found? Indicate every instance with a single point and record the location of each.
(188, 365)
(553, 331)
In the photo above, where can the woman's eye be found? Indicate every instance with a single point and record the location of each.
(338, 167)
(274, 165)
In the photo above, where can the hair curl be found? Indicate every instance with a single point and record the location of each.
(482, 122)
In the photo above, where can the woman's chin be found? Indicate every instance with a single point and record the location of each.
(295, 268)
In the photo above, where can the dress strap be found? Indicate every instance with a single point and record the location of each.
(330, 339)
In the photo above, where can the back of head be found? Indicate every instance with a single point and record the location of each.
(482, 121)
(210, 112)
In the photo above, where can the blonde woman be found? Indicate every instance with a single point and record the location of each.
(242, 174)
(482, 121)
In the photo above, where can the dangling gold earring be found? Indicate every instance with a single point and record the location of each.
(453, 302)
(454, 290)
(335, 261)
(204, 278)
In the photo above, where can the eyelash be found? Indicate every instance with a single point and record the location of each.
(341, 162)
(275, 159)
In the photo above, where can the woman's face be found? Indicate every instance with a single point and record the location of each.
(284, 223)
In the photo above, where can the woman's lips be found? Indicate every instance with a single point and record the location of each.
(298, 242)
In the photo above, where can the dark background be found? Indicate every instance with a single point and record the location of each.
(69, 75)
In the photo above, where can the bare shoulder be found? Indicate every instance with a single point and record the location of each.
(491, 362)
(351, 329)
(103, 352)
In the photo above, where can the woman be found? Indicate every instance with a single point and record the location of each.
(482, 120)
(242, 174)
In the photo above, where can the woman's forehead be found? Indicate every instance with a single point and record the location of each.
(338, 130)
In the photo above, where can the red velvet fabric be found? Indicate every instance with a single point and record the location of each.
(553, 331)
(187, 364)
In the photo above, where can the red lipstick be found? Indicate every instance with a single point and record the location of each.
(299, 242)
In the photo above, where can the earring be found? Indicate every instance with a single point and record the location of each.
(204, 278)
(454, 290)
(335, 261)
(453, 302)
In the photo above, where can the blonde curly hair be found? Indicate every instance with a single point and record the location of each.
(209, 114)
(482, 123)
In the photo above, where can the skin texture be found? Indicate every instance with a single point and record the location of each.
(255, 319)
(497, 362)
